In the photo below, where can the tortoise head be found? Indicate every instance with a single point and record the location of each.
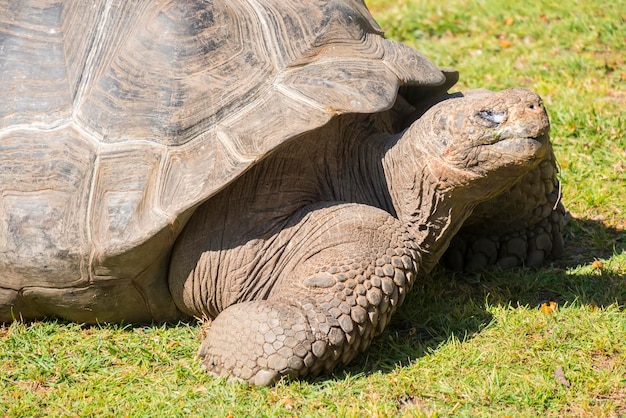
(485, 140)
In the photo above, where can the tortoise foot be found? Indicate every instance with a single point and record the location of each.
(531, 247)
(258, 342)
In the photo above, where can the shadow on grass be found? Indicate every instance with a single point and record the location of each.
(448, 304)
(588, 240)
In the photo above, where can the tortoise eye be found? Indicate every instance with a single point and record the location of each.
(492, 116)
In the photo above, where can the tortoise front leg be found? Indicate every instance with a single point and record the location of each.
(346, 270)
(521, 227)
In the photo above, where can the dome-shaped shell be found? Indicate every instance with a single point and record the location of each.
(118, 117)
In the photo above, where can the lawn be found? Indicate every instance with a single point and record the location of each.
(486, 344)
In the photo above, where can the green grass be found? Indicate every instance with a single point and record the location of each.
(475, 345)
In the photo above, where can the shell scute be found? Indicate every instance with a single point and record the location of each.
(156, 105)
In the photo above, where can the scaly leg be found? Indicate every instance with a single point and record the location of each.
(344, 271)
(521, 227)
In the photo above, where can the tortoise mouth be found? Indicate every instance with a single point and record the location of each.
(525, 146)
(542, 138)
(540, 135)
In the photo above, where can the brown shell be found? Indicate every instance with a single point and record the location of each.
(119, 117)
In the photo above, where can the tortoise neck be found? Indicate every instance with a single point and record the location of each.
(397, 173)
(431, 212)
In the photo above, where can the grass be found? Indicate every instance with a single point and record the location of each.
(475, 345)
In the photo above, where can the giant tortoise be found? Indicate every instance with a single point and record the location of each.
(277, 166)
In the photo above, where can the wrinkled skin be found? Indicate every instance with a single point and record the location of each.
(303, 260)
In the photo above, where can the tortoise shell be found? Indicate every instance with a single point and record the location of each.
(118, 118)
